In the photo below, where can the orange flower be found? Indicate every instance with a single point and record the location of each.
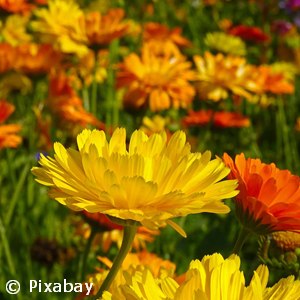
(156, 264)
(220, 75)
(65, 103)
(103, 29)
(269, 198)
(7, 57)
(269, 81)
(16, 6)
(35, 58)
(249, 33)
(161, 33)
(223, 119)
(8, 133)
(158, 79)
(287, 240)
(110, 232)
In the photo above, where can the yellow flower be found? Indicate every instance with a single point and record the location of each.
(160, 78)
(62, 24)
(14, 30)
(155, 124)
(212, 278)
(225, 43)
(219, 76)
(151, 182)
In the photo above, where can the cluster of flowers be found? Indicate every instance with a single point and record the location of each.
(155, 180)
(139, 185)
(69, 45)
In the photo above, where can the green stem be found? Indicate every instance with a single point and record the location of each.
(85, 254)
(6, 248)
(243, 235)
(128, 236)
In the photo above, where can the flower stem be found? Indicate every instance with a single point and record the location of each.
(243, 235)
(128, 236)
(87, 249)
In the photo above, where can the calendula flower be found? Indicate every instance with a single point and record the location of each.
(155, 124)
(269, 197)
(151, 182)
(65, 103)
(14, 82)
(225, 43)
(154, 263)
(14, 30)
(9, 137)
(219, 76)
(161, 34)
(91, 67)
(36, 58)
(160, 80)
(111, 233)
(269, 81)
(222, 119)
(211, 278)
(102, 29)
(7, 57)
(287, 240)
(62, 24)
(249, 33)
(288, 70)
(16, 6)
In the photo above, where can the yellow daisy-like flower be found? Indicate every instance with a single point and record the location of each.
(160, 78)
(62, 24)
(219, 76)
(212, 278)
(225, 43)
(151, 182)
(14, 30)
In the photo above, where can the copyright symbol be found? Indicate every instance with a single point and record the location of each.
(13, 287)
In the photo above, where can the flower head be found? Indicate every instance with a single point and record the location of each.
(218, 76)
(151, 182)
(159, 79)
(222, 119)
(212, 278)
(62, 24)
(162, 34)
(65, 103)
(269, 197)
(225, 43)
(9, 137)
(16, 6)
(287, 240)
(102, 29)
(249, 33)
(14, 30)
(36, 58)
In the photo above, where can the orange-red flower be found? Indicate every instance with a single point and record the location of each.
(110, 232)
(9, 137)
(16, 6)
(222, 119)
(7, 57)
(66, 104)
(249, 33)
(269, 81)
(102, 29)
(36, 58)
(161, 33)
(269, 198)
(158, 79)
